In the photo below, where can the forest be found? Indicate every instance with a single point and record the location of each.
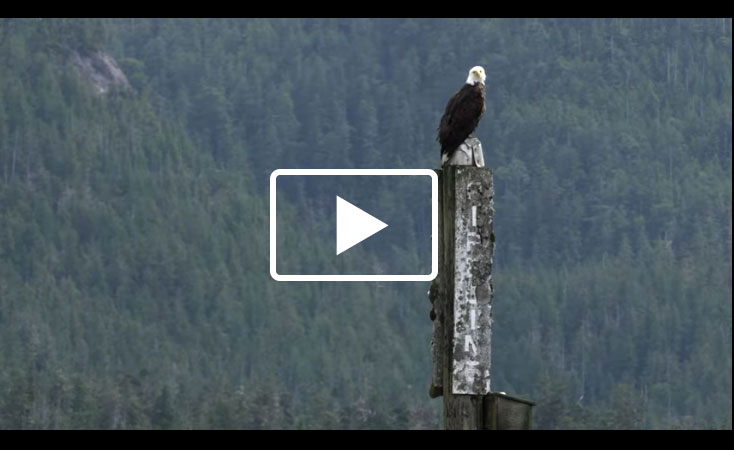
(134, 283)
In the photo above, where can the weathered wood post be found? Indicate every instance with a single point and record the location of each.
(461, 296)
(468, 245)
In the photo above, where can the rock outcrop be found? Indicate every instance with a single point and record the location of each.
(101, 71)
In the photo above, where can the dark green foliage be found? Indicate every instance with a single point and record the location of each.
(134, 290)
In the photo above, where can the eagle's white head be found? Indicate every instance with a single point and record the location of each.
(476, 75)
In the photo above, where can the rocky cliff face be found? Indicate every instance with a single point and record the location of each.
(101, 71)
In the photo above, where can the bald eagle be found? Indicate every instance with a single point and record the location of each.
(462, 114)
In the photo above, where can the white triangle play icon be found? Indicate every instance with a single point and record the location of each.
(353, 225)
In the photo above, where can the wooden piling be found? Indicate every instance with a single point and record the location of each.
(462, 295)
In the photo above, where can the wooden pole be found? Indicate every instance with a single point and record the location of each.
(469, 155)
(466, 287)
(461, 298)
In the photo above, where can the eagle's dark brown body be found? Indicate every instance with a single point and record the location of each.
(461, 117)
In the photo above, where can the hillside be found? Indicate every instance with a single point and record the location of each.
(134, 289)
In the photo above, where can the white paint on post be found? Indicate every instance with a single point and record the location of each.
(473, 248)
(469, 345)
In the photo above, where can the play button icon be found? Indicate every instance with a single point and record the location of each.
(303, 207)
(353, 225)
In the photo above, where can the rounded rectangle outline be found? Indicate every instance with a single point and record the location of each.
(434, 225)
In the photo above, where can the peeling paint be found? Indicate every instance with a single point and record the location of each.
(473, 250)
